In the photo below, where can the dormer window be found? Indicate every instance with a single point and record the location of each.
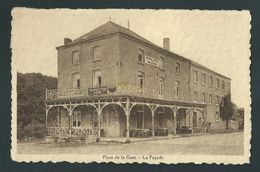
(75, 57)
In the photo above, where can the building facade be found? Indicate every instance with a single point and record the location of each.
(114, 83)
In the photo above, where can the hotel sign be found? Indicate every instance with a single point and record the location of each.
(97, 91)
(153, 61)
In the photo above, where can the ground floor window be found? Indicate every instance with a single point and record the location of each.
(76, 116)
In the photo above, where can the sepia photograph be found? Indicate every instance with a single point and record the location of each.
(129, 85)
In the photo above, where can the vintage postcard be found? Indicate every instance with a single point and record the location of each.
(129, 85)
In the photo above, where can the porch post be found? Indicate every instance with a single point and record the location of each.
(127, 112)
(70, 121)
(153, 109)
(191, 116)
(99, 118)
(46, 118)
(175, 120)
(58, 117)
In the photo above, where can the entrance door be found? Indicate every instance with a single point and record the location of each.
(110, 124)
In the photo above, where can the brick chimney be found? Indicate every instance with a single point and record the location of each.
(166, 43)
(67, 40)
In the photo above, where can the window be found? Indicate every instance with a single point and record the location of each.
(97, 53)
(217, 115)
(75, 57)
(97, 78)
(203, 78)
(203, 97)
(211, 81)
(228, 86)
(76, 116)
(141, 55)
(140, 79)
(195, 95)
(161, 86)
(210, 98)
(162, 65)
(177, 88)
(75, 81)
(178, 68)
(217, 99)
(195, 76)
(223, 85)
(217, 83)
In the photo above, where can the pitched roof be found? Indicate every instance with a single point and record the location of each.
(108, 29)
(112, 28)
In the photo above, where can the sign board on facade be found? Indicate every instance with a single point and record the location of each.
(97, 91)
(153, 61)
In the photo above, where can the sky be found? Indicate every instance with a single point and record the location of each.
(219, 40)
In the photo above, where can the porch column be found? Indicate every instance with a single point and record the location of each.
(46, 118)
(153, 122)
(58, 117)
(127, 113)
(191, 116)
(175, 120)
(99, 118)
(70, 121)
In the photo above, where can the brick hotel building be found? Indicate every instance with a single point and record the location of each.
(114, 83)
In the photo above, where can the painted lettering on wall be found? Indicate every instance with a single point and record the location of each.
(153, 61)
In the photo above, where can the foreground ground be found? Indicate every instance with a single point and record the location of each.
(215, 144)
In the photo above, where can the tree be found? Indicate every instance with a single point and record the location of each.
(30, 103)
(226, 109)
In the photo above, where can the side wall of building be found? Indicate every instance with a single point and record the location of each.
(130, 67)
(217, 92)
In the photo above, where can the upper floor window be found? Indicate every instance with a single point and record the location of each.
(140, 79)
(195, 95)
(97, 53)
(223, 85)
(203, 78)
(210, 99)
(140, 55)
(228, 86)
(217, 83)
(97, 81)
(75, 57)
(178, 68)
(75, 81)
(195, 76)
(161, 85)
(162, 65)
(217, 117)
(217, 99)
(211, 81)
(177, 88)
(203, 97)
